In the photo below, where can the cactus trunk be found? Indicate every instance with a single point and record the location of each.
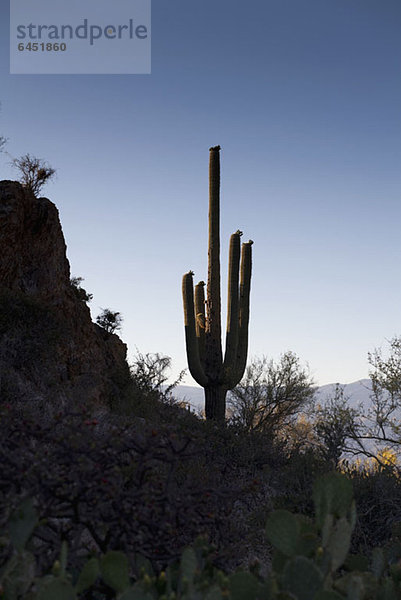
(203, 328)
(215, 403)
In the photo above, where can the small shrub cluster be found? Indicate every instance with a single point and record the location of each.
(79, 291)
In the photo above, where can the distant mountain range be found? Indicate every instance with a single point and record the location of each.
(356, 393)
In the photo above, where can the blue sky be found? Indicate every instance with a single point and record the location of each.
(304, 97)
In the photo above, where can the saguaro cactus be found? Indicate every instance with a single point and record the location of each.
(203, 319)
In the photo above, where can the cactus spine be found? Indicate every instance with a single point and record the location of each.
(202, 318)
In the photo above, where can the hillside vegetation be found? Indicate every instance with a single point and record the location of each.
(139, 482)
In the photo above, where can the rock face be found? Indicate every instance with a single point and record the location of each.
(50, 350)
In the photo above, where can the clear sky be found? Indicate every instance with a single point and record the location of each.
(304, 97)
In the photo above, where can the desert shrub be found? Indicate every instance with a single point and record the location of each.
(34, 172)
(293, 482)
(150, 395)
(377, 495)
(114, 484)
(150, 374)
(334, 425)
(271, 394)
(79, 291)
(109, 320)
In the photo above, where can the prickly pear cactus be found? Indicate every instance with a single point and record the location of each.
(308, 555)
(310, 562)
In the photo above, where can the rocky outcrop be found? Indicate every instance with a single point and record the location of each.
(50, 349)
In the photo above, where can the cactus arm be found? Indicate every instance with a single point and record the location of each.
(232, 306)
(214, 356)
(200, 319)
(191, 341)
(245, 289)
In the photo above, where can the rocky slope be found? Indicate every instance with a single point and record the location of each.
(50, 350)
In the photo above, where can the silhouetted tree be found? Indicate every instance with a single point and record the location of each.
(375, 429)
(334, 425)
(34, 172)
(382, 423)
(150, 373)
(271, 394)
(109, 320)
